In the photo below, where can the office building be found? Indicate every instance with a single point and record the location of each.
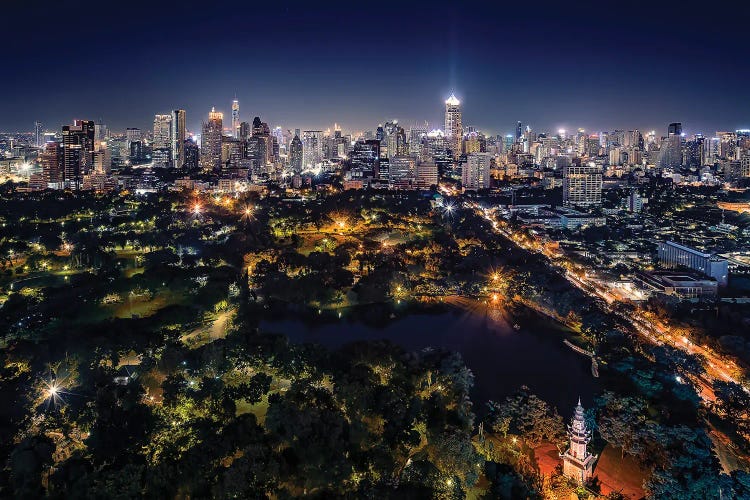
(453, 126)
(38, 134)
(78, 148)
(312, 148)
(426, 176)
(401, 172)
(475, 173)
(236, 118)
(582, 185)
(674, 255)
(178, 136)
(161, 144)
(295, 154)
(52, 163)
(211, 133)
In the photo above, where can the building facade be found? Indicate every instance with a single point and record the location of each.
(582, 185)
(674, 255)
(453, 125)
(210, 156)
(475, 173)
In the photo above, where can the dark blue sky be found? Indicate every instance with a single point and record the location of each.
(572, 64)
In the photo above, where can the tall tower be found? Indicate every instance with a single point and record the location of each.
(161, 152)
(578, 462)
(453, 127)
(295, 154)
(178, 137)
(38, 134)
(236, 118)
(78, 148)
(211, 141)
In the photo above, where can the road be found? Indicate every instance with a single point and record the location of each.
(716, 367)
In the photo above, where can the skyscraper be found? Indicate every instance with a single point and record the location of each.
(519, 132)
(178, 137)
(453, 127)
(38, 134)
(78, 148)
(52, 163)
(582, 185)
(236, 118)
(161, 147)
(674, 129)
(211, 141)
(295, 154)
(312, 148)
(416, 133)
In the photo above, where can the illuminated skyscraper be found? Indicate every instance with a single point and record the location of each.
(236, 118)
(177, 134)
(312, 148)
(453, 127)
(211, 141)
(295, 154)
(78, 148)
(52, 163)
(161, 147)
(417, 132)
(519, 132)
(38, 134)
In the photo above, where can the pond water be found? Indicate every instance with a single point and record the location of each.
(501, 356)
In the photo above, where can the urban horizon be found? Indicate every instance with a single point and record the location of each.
(384, 250)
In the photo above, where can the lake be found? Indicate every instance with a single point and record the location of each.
(501, 357)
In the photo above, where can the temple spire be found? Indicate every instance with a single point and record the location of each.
(578, 462)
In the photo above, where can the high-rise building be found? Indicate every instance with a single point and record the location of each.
(519, 132)
(674, 129)
(192, 155)
(453, 126)
(244, 131)
(295, 154)
(161, 145)
(78, 148)
(426, 176)
(134, 142)
(365, 158)
(236, 118)
(38, 134)
(401, 172)
(312, 148)
(475, 173)
(582, 185)
(52, 163)
(210, 156)
(100, 131)
(417, 132)
(178, 136)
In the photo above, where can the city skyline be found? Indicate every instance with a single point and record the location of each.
(563, 66)
(196, 118)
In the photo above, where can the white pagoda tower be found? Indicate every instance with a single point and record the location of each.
(578, 463)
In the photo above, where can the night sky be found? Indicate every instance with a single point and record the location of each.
(599, 66)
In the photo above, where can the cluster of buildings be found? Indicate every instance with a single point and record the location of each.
(83, 155)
